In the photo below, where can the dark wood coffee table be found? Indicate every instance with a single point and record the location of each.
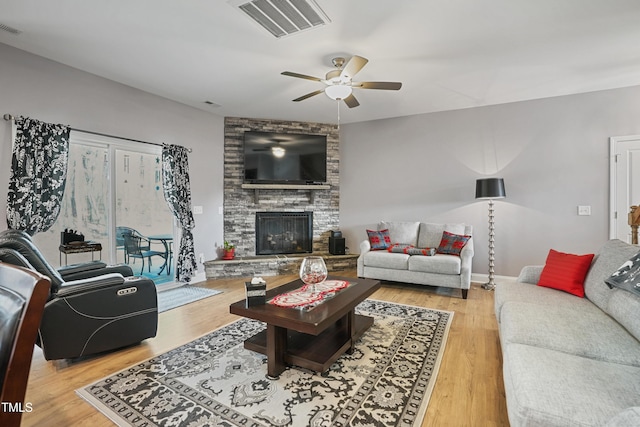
(312, 339)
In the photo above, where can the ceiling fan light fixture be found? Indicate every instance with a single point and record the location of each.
(338, 92)
(277, 151)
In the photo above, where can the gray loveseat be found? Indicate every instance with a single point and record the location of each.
(450, 271)
(570, 361)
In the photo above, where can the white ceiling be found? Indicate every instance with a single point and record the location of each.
(449, 54)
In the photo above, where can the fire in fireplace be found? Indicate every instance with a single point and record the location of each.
(284, 232)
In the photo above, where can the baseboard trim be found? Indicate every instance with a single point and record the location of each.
(484, 278)
(200, 277)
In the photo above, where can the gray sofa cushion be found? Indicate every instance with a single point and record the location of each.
(385, 259)
(526, 292)
(551, 388)
(621, 305)
(401, 232)
(442, 264)
(430, 234)
(581, 329)
(625, 308)
(611, 256)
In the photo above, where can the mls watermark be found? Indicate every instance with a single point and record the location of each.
(16, 407)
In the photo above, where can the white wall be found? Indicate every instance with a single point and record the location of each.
(553, 154)
(45, 90)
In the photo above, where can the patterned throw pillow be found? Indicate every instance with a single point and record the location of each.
(627, 277)
(411, 250)
(379, 239)
(452, 244)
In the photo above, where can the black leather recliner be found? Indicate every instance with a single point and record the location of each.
(93, 308)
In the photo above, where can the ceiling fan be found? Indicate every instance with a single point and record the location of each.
(339, 83)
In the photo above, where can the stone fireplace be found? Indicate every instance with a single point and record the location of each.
(241, 203)
(284, 233)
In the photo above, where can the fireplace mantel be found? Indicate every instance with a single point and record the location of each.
(311, 188)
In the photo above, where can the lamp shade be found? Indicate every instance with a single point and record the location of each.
(490, 188)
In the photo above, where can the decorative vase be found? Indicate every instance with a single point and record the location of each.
(313, 271)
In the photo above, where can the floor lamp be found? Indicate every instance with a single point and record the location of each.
(490, 188)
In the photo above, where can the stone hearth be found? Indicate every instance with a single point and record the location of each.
(264, 266)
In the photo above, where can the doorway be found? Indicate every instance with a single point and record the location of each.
(141, 209)
(624, 184)
(113, 183)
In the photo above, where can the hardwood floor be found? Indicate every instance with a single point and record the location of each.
(469, 390)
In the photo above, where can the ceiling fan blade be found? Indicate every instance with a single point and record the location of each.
(351, 101)
(301, 76)
(378, 85)
(355, 64)
(309, 95)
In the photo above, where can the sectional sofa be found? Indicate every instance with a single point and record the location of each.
(420, 253)
(571, 361)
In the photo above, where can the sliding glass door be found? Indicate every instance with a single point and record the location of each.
(140, 210)
(114, 185)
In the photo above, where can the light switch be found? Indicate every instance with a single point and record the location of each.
(197, 210)
(584, 210)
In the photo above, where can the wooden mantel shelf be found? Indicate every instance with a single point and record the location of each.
(311, 188)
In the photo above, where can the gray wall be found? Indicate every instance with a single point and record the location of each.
(553, 154)
(45, 90)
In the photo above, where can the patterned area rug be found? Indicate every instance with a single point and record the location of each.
(186, 294)
(214, 381)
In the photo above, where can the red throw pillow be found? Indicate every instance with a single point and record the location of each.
(452, 244)
(565, 272)
(379, 239)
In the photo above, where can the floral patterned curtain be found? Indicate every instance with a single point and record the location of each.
(38, 175)
(177, 193)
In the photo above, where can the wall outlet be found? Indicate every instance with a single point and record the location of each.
(201, 258)
(584, 210)
(198, 210)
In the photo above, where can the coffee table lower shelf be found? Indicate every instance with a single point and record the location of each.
(316, 353)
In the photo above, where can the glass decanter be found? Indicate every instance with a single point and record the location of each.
(313, 271)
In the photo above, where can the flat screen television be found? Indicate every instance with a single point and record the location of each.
(284, 158)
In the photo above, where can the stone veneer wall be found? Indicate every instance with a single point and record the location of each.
(240, 205)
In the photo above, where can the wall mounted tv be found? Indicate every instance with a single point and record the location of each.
(284, 158)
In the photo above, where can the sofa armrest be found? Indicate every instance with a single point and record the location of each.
(530, 274)
(77, 268)
(365, 246)
(466, 254)
(123, 269)
(85, 285)
(466, 261)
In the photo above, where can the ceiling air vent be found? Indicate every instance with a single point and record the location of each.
(283, 17)
(8, 29)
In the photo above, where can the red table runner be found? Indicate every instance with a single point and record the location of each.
(306, 298)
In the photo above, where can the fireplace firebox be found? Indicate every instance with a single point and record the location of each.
(284, 233)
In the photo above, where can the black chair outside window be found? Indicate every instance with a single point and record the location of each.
(139, 247)
(120, 244)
